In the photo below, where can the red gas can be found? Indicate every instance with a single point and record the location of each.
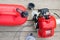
(45, 23)
(11, 15)
(46, 26)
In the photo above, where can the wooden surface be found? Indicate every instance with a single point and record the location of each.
(51, 4)
(20, 32)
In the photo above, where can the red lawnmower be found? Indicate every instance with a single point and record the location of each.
(11, 15)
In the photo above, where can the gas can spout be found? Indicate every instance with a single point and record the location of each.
(23, 13)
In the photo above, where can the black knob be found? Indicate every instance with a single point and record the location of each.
(31, 6)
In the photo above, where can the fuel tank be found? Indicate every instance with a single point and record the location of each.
(9, 15)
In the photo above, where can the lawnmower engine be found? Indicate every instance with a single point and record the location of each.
(11, 15)
(45, 23)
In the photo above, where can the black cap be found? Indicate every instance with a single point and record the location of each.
(31, 5)
(24, 14)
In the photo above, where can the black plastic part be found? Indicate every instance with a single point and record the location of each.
(43, 11)
(35, 18)
(31, 6)
(23, 14)
(31, 34)
(46, 16)
(18, 10)
(37, 27)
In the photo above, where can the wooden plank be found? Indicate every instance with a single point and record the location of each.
(51, 4)
(22, 35)
(55, 37)
(28, 26)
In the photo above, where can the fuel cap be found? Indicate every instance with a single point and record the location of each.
(31, 6)
(24, 14)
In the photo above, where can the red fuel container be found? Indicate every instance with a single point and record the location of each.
(46, 26)
(45, 23)
(9, 15)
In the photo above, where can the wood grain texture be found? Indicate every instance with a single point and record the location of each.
(28, 26)
(51, 4)
(22, 35)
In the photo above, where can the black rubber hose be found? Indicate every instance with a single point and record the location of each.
(57, 15)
